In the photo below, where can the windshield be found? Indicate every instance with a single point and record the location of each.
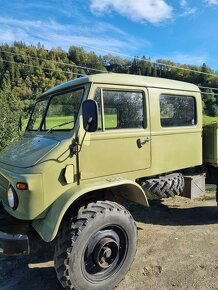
(57, 113)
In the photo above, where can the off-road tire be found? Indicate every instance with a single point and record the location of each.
(163, 187)
(96, 248)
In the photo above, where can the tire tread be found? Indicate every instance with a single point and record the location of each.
(67, 237)
(164, 187)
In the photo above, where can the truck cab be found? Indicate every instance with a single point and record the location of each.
(89, 144)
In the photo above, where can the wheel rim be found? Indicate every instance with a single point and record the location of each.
(104, 254)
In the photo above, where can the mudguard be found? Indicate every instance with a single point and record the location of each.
(48, 227)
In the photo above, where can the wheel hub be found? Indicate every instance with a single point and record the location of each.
(105, 252)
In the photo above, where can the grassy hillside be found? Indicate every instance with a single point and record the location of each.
(209, 119)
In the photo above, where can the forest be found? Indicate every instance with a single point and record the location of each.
(27, 71)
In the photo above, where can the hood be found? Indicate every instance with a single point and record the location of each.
(27, 151)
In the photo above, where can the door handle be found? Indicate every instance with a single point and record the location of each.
(141, 143)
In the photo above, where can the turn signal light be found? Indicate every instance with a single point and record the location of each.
(22, 185)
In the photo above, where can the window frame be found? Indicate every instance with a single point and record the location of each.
(30, 117)
(49, 99)
(122, 90)
(179, 96)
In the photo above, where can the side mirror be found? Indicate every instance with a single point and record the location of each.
(90, 115)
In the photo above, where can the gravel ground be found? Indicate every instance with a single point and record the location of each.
(177, 249)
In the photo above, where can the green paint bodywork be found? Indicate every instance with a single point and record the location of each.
(48, 227)
(108, 160)
(210, 144)
(28, 150)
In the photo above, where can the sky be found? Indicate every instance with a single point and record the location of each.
(184, 31)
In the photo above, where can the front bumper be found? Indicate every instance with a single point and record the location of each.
(14, 245)
(13, 241)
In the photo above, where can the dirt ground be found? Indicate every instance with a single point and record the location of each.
(177, 249)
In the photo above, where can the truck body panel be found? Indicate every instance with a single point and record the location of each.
(210, 144)
(174, 147)
(115, 149)
(166, 147)
(164, 139)
(91, 146)
(48, 227)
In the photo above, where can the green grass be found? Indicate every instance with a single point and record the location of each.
(57, 120)
(110, 121)
(209, 119)
(52, 122)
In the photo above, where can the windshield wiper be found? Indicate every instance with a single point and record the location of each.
(60, 125)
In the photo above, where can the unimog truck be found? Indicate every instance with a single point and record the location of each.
(91, 146)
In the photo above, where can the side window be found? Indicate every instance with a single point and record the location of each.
(122, 109)
(177, 111)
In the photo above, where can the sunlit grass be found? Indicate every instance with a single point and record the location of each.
(110, 121)
(51, 122)
(209, 119)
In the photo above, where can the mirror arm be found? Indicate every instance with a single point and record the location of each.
(76, 147)
(79, 146)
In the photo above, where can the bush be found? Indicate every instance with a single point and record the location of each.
(9, 115)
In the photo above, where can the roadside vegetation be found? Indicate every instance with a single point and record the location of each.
(209, 119)
(27, 71)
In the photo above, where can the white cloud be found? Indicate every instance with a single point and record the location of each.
(52, 34)
(187, 10)
(153, 11)
(212, 2)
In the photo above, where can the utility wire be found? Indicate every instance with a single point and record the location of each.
(207, 88)
(150, 61)
(45, 68)
(207, 93)
(124, 55)
(204, 93)
(78, 74)
(57, 62)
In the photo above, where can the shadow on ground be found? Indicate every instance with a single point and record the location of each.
(161, 214)
(36, 272)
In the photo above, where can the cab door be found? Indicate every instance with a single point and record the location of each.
(122, 143)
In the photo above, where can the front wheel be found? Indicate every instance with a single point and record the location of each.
(96, 248)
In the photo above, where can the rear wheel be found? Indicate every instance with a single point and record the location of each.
(96, 248)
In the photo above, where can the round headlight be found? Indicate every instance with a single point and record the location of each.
(12, 197)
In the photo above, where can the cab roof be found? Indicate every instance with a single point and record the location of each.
(126, 79)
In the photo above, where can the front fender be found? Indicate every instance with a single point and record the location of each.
(48, 227)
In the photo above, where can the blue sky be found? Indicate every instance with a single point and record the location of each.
(184, 31)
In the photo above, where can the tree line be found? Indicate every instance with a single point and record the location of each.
(26, 71)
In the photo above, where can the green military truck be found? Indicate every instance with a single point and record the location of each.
(92, 145)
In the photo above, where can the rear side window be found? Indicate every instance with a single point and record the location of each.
(177, 111)
(121, 109)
